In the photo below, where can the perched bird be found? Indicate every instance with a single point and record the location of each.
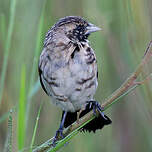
(68, 71)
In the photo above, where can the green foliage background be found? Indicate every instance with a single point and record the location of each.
(127, 29)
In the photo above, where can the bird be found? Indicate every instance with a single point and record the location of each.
(68, 72)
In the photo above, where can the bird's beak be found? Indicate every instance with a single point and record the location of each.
(92, 28)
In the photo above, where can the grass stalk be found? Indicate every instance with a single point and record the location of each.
(35, 128)
(21, 111)
(34, 87)
(8, 144)
(2, 27)
(6, 114)
(7, 46)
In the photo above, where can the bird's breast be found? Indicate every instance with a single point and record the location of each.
(77, 80)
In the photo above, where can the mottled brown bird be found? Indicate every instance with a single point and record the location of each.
(68, 71)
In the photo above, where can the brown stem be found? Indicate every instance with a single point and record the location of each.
(130, 81)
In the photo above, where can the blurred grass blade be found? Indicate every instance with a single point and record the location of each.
(35, 128)
(124, 94)
(4, 116)
(7, 46)
(8, 143)
(35, 63)
(37, 50)
(21, 111)
(34, 89)
(2, 27)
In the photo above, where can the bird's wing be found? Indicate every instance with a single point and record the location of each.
(40, 75)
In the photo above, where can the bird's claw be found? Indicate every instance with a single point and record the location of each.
(59, 134)
(96, 106)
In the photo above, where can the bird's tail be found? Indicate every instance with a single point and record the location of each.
(97, 123)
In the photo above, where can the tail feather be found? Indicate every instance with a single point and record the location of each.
(97, 123)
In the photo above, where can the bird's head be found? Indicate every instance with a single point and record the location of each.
(76, 28)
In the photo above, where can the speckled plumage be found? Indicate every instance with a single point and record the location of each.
(68, 67)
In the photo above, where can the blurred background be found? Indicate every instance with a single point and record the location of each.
(119, 47)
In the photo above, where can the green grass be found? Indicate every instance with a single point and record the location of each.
(4, 116)
(7, 44)
(22, 110)
(35, 128)
(34, 87)
(3, 27)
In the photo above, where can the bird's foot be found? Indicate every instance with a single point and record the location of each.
(96, 107)
(58, 135)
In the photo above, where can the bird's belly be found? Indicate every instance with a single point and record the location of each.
(77, 84)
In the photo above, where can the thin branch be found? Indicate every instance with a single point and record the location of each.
(129, 85)
(131, 80)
